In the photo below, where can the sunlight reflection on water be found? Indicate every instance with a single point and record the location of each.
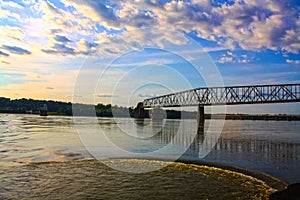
(272, 147)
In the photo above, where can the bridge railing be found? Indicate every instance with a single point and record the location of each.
(228, 96)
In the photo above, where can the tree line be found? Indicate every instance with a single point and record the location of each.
(24, 106)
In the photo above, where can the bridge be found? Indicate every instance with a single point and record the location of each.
(231, 95)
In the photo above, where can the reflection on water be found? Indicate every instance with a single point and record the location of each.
(272, 147)
(29, 138)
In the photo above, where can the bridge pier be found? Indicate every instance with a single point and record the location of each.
(139, 114)
(139, 111)
(200, 119)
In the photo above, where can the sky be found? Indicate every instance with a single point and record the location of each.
(121, 52)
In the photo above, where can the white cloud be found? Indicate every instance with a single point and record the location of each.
(297, 62)
(230, 57)
(225, 59)
(248, 24)
(11, 4)
(106, 95)
(147, 95)
(251, 25)
(11, 34)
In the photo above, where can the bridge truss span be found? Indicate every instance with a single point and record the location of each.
(228, 96)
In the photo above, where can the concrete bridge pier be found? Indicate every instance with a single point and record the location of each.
(200, 119)
(139, 114)
(139, 111)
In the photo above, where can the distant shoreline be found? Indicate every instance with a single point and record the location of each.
(31, 106)
(249, 117)
(265, 117)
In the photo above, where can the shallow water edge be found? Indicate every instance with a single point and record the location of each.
(91, 178)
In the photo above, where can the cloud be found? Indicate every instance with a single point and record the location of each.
(97, 11)
(107, 95)
(85, 47)
(12, 4)
(4, 54)
(297, 62)
(61, 45)
(49, 88)
(5, 62)
(146, 61)
(9, 33)
(250, 25)
(225, 59)
(62, 39)
(60, 49)
(230, 57)
(69, 23)
(16, 50)
(112, 27)
(147, 95)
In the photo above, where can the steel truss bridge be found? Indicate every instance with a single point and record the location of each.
(231, 95)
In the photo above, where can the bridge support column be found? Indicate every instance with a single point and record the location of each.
(200, 119)
(139, 112)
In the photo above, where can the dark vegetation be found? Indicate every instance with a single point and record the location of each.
(24, 106)
(33, 106)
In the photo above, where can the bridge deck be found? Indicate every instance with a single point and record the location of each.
(228, 96)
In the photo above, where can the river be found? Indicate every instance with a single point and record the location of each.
(44, 157)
